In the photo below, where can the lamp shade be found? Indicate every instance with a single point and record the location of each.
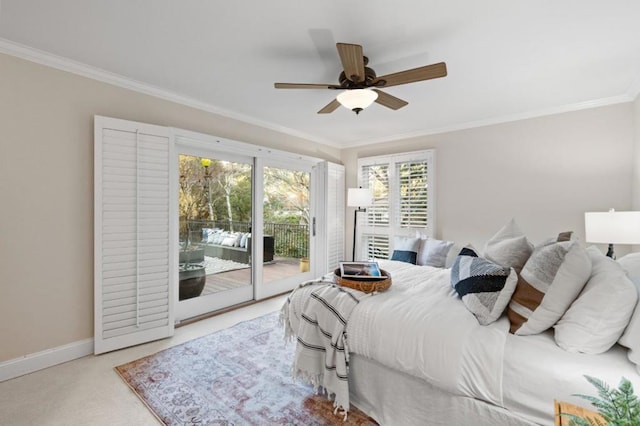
(612, 227)
(357, 99)
(359, 197)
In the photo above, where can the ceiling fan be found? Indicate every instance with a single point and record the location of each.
(360, 84)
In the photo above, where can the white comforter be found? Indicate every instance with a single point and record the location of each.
(420, 326)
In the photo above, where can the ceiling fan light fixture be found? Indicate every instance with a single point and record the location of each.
(357, 99)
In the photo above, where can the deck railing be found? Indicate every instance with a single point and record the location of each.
(290, 240)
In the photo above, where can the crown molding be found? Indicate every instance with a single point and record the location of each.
(498, 120)
(64, 64)
(634, 88)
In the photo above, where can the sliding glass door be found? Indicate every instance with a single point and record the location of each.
(188, 224)
(215, 197)
(246, 227)
(288, 223)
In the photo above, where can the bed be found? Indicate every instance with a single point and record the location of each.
(418, 354)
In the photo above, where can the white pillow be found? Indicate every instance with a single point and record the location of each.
(596, 319)
(454, 251)
(405, 249)
(228, 241)
(550, 281)
(631, 336)
(432, 252)
(631, 264)
(509, 247)
(219, 237)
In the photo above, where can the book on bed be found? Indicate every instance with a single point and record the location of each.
(360, 270)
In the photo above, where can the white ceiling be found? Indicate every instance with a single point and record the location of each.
(506, 59)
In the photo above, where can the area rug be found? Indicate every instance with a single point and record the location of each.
(237, 376)
(213, 265)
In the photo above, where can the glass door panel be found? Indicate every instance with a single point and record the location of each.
(215, 216)
(287, 229)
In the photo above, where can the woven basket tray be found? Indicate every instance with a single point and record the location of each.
(366, 285)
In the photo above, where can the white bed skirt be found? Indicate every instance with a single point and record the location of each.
(394, 398)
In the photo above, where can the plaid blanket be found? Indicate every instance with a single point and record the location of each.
(317, 313)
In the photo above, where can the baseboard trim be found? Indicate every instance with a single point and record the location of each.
(48, 358)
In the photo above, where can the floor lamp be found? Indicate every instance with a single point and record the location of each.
(360, 198)
(611, 228)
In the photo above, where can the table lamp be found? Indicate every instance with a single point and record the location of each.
(612, 227)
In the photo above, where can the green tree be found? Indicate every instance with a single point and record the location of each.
(234, 182)
(286, 195)
(192, 199)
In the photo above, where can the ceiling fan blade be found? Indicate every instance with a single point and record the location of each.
(389, 101)
(411, 76)
(304, 86)
(330, 107)
(352, 61)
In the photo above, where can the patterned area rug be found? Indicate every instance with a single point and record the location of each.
(237, 376)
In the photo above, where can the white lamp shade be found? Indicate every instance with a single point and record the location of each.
(612, 227)
(357, 98)
(359, 197)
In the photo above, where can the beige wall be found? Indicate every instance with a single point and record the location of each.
(46, 188)
(544, 172)
(635, 186)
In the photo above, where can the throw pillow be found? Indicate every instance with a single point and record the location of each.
(405, 249)
(631, 264)
(238, 239)
(550, 281)
(596, 319)
(205, 234)
(228, 241)
(485, 288)
(432, 252)
(631, 337)
(219, 237)
(509, 247)
(454, 251)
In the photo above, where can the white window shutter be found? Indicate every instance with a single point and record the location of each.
(376, 177)
(335, 215)
(330, 209)
(413, 202)
(372, 244)
(133, 258)
(403, 188)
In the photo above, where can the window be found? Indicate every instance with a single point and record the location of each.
(403, 200)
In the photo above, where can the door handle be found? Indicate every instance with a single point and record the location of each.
(313, 227)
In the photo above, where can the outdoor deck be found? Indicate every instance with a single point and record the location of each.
(279, 268)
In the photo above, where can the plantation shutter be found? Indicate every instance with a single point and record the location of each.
(412, 188)
(403, 187)
(335, 215)
(375, 237)
(329, 228)
(132, 267)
